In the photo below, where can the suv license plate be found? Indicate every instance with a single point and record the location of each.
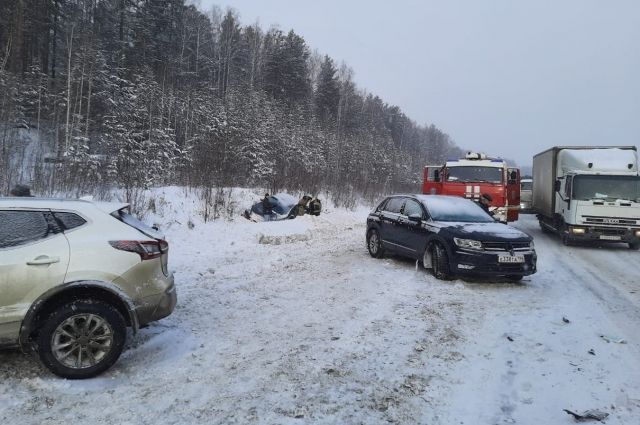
(610, 238)
(511, 259)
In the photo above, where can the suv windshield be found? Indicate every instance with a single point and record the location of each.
(606, 187)
(474, 174)
(444, 208)
(526, 186)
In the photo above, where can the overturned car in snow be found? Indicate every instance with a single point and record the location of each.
(282, 206)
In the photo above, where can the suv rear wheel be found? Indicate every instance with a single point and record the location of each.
(81, 339)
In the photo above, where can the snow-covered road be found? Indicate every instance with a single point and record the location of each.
(293, 322)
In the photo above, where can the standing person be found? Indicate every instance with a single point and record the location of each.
(302, 205)
(485, 203)
(266, 204)
(315, 207)
(21, 190)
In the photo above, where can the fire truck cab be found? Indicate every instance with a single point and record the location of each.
(474, 175)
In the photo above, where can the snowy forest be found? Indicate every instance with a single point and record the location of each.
(129, 94)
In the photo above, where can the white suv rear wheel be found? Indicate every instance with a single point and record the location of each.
(82, 339)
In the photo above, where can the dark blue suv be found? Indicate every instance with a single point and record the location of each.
(451, 235)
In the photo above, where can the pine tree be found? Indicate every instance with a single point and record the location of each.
(327, 96)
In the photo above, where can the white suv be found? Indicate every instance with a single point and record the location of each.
(73, 276)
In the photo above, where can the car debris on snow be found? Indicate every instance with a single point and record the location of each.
(565, 320)
(592, 352)
(613, 339)
(589, 415)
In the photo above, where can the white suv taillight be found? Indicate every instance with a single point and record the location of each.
(148, 250)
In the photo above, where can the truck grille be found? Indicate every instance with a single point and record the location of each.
(612, 221)
(506, 246)
(609, 231)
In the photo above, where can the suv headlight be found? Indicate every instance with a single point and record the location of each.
(532, 245)
(468, 243)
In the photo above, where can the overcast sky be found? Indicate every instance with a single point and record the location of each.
(510, 78)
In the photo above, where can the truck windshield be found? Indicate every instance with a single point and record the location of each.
(606, 187)
(474, 174)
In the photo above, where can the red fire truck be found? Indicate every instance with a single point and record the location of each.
(474, 175)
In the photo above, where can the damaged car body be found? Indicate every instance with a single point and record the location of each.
(282, 206)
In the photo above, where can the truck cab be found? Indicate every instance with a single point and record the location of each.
(596, 194)
(474, 175)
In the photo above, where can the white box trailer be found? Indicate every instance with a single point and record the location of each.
(588, 193)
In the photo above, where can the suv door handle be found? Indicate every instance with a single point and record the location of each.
(43, 260)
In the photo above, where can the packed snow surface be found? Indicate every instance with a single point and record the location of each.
(293, 322)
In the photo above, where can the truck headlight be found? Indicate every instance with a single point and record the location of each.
(637, 233)
(577, 230)
(468, 243)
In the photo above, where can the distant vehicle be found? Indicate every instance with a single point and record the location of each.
(451, 235)
(474, 175)
(588, 193)
(526, 192)
(73, 276)
(282, 206)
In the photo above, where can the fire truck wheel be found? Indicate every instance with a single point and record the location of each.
(440, 262)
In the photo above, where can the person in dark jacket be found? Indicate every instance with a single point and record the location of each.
(267, 206)
(315, 207)
(485, 203)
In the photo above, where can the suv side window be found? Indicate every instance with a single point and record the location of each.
(69, 220)
(21, 227)
(381, 206)
(412, 207)
(394, 205)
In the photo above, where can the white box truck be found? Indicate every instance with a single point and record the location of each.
(588, 193)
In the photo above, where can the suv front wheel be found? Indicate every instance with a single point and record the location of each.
(81, 339)
(440, 262)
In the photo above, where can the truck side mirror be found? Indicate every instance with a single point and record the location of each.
(556, 186)
(436, 175)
